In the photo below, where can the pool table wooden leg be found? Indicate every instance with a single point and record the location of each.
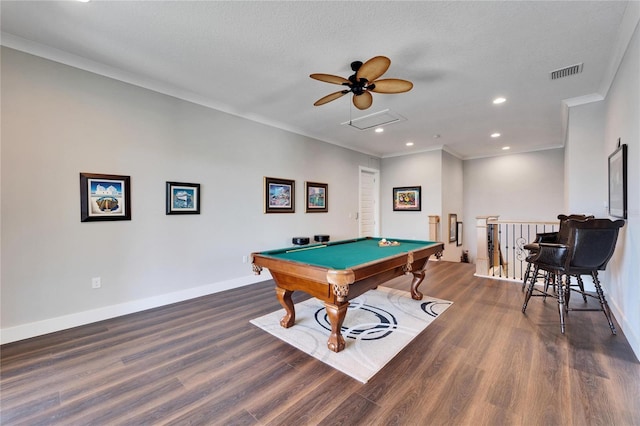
(418, 276)
(284, 297)
(336, 314)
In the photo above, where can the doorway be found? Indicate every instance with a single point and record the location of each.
(368, 212)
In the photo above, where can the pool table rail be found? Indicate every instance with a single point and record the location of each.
(341, 279)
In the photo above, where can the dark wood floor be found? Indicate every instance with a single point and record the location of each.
(200, 362)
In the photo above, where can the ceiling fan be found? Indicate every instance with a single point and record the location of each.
(363, 82)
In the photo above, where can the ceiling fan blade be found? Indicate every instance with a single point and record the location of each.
(373, 68)
(331, 97)
(363, 101)
(328, 78)
(392, 85)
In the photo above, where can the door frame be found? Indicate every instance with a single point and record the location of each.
(376, 199)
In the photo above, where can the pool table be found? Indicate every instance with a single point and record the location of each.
(339, 271)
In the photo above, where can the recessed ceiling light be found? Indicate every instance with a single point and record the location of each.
(379, 130)
(409, 144)
(499, 100)
(504, 148)
(495, 135)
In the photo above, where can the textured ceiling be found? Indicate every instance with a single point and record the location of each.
(253, 59)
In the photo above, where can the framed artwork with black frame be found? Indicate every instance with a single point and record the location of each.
(618, 182)
(317, 196)
(407, 198)
(453, 227)
(183, 198)
(104, 197)
(279, 195)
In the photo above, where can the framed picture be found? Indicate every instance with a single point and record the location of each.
(407, 198)
(317, 197)
(453, 228)
(104, 197)
(459, 234)
(279, 195)
(618, 182)
(183, 198)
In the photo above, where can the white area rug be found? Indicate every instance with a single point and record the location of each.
(378, 325)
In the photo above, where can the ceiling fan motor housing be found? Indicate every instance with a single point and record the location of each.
(357, 85)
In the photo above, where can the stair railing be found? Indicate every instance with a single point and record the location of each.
(500, 250)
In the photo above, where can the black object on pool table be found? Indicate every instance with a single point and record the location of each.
(321, 238)
(300, 241)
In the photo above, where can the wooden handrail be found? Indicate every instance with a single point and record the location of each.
(528, 222)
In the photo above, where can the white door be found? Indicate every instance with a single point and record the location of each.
(368, 211)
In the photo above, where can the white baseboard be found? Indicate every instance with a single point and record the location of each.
(38, 328)
(625, 325)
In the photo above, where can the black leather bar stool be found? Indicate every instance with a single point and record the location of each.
(553, 238)
(587, 249)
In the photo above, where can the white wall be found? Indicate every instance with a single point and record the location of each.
(593, 133)
(423, 169)
(58, 121)
(440, 176)
(452, 203)
(526, 187)
(586, 191)
(622, 120)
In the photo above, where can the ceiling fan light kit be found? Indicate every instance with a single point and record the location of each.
(363, 82)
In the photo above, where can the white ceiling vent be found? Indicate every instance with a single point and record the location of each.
(381, 118)
(566, 71)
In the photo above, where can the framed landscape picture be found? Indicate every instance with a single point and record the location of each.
(618, 182)
(407, 198)
(453, 227)
(183, 198)
(279, 195)
(104, 197)
(317, 196)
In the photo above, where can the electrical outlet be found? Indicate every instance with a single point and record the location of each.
(244, 259)
(96, 282)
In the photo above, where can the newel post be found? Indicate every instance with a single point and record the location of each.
(433, 228)
(482, 250)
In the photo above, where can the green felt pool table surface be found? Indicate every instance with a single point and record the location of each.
(345, 254)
